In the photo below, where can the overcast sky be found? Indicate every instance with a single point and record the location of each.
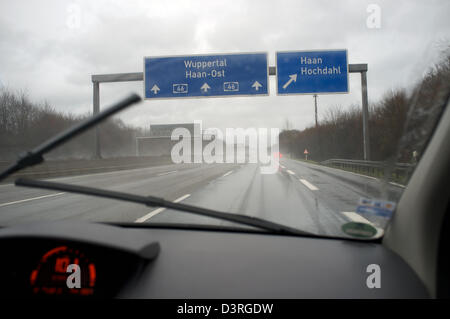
(51, 49)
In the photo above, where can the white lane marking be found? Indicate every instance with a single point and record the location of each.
(359, 219)
(398, 185)
(290, 172)
(87, 169)
(308, 184)
(166, 173)
(374, 178)
(159, 210)
(282, 166)
(227, 173)
(181, 198)
(343, 170)
(122, 171)
(357, 174)
(30, 199)
(353, 173)
(366, 176)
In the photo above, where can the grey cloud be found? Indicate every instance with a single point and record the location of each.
(41, 53)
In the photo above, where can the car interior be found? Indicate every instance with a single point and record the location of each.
(195, 261)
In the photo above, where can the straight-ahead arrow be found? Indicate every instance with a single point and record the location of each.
(256, 85)
(155, 89)
(293, 77)
(205, 87)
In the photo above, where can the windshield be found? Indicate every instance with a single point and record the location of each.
(308, 114)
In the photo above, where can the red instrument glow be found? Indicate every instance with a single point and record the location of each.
(51, 275)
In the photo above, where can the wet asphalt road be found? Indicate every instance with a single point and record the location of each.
(309, 197)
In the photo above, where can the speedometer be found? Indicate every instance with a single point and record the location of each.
(64, 271)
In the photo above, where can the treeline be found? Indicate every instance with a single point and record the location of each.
(400, 124)
(24, 124)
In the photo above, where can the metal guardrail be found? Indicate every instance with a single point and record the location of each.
(398, 171)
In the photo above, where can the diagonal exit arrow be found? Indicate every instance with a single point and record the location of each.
(155, 89)
(256, 85)
(205, 87)
(293, 77)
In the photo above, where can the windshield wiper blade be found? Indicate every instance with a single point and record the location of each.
(161, 202)
(34, 156)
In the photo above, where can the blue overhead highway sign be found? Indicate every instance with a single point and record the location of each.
(206, 75)
(310, 72)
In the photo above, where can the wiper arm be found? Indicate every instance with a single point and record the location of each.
(34, 156)
(161, 202)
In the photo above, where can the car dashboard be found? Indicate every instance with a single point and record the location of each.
(182, 263)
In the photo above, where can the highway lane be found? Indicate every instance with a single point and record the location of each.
(276, 197)
(310, 197)
(9, 192)
(302, 195)
(169, 181)
(341, 190)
